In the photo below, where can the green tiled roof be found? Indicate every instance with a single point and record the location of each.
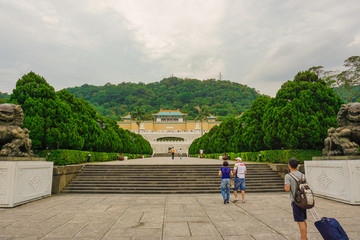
(211, 117)
(128, 116)
(169, 113)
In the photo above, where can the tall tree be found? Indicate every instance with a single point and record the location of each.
(138, 115)
(36, 96)
(203, 112)
(350, 77)
(328, 76)
(300, 114)
(249, 135)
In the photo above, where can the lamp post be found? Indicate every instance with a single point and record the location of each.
(259, 157)
(89, 157)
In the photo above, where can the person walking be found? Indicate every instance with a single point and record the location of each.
(239, 179)
(172, 153)
(180, 153)
(225, 174)
(201, 153)
(299, 213)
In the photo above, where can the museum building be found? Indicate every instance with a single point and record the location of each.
(169, 129)
(168, 120)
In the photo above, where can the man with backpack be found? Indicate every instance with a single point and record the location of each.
(291, 185)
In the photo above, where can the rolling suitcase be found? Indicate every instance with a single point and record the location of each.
(329, 228)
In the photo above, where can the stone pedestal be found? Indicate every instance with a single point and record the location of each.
(24, 181)
(335, 179)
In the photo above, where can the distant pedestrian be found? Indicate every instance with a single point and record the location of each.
(239, 179)
(290, 186)
(201, 153)
(225, 174)
(172, 153)
(180, 153)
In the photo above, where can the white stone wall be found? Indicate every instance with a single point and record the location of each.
(24, 181)
(335, 179)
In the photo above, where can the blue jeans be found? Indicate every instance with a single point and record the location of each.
(225, 188)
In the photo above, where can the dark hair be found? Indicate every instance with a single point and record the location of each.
(293, 163)
(225, 163)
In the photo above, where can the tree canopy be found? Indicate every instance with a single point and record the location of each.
(60, 120)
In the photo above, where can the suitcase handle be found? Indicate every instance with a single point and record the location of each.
(316, 214)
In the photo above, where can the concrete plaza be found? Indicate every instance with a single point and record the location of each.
(108, 216)
(167, 216)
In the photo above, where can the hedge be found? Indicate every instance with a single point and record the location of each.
(271, 156)
(67, 157)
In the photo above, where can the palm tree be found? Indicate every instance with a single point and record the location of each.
(138, 115)
(203, 113)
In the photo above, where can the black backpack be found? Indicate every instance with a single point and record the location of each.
(304, 196)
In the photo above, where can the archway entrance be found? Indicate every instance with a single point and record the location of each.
(161, 142)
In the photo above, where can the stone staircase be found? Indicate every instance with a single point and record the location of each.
(167, 179)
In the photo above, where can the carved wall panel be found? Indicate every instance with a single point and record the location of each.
(24, 181)
(335, 179)
(5, 181)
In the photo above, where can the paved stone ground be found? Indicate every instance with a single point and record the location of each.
(171, 217)
(164, 161)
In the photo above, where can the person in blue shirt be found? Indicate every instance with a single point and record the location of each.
(225, 174)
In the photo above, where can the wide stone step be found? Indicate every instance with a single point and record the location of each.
(269, 180)
(168, 178)
(249, 165)
(198, 171)
(146, 191)
(169, 169)
(163, 191)
(118, 183)
(94, 166)
(163, 188)
(175, 175)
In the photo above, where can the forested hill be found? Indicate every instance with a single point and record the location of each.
(224, 98)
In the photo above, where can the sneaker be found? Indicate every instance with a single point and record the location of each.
(224, 201)
(227, 202)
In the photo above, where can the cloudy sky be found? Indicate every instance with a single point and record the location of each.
(258, 43)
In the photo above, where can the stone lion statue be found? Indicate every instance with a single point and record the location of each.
(14, 141)
(345, 139)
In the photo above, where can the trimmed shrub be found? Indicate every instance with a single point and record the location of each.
(67, 157)
(272, 156)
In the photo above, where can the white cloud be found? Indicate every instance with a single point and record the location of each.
(176, 33)
(173, 27)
